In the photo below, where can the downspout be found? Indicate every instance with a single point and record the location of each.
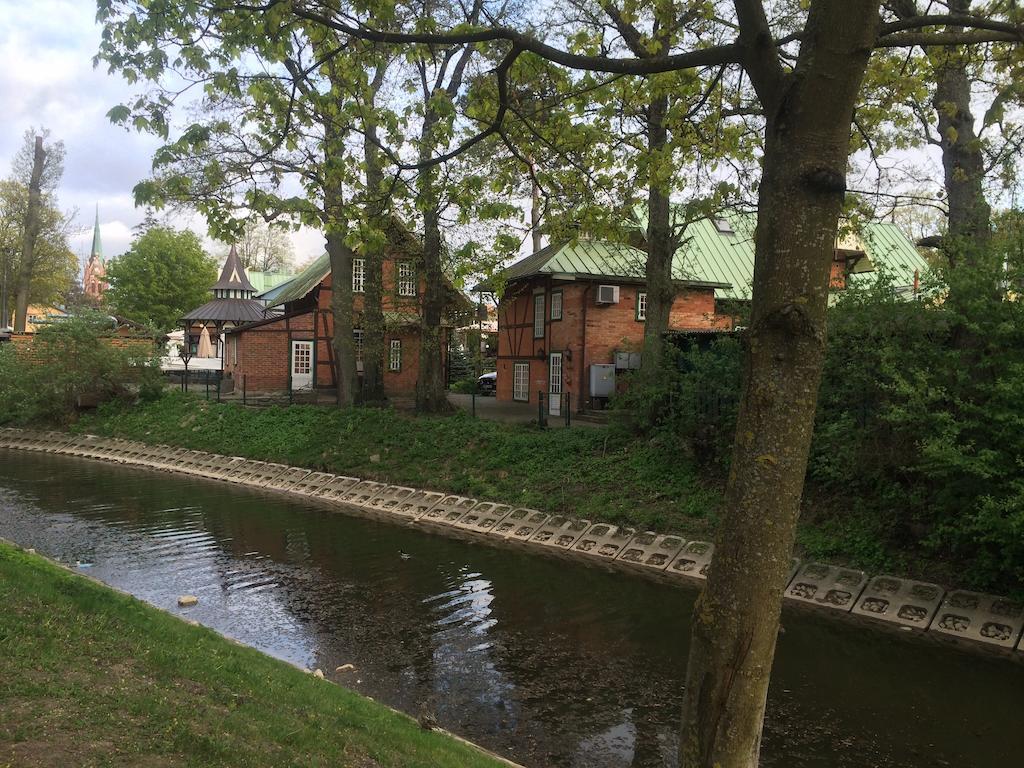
(584, 384)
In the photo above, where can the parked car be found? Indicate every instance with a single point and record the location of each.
(488, 384)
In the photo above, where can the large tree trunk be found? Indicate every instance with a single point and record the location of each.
(660, 243)
(963, 165)
(341, 308)
(340, 256)
(430, 383)
(736, 618)
(373, 308)
(29, 237)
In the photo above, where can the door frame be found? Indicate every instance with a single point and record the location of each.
(555, 395)
(312, 363)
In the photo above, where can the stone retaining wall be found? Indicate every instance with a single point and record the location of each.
(981, 621)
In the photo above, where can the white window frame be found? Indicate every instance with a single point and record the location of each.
(556, 303)
(358, 275)
(395, 355)
(406, 279)
(357, 343)
(538, 315)
(641, 305)
(521, 384)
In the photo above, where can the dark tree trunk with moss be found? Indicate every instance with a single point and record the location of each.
(963, 164)
(430, 383)
(340, 256)
(341, 308)
(373, 308)
(29, 236)
(660, 242)
(807, 135)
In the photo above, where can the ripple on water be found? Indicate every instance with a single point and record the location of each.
(550, 663)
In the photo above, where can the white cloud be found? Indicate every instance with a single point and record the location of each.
(47, 79)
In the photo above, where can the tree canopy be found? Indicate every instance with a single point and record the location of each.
(795, 70)
(160, 278)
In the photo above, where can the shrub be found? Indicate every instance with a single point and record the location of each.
(43, 381)
(919, 436)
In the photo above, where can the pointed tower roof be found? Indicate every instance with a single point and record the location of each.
(97, 243)
(233, 277)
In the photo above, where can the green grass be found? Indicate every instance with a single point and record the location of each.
(91, 677)
(594, 473)
(600, 474)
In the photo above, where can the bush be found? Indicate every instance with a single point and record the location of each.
(42, 382)
(919, 438)
(692, 396)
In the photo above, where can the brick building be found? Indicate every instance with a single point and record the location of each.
(294, 349)
(569, 308)
(572, 315)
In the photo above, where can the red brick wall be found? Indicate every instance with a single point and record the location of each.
(264, 355)
(390, 300)
(609, 328)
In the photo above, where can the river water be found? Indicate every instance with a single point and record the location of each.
(549, 662)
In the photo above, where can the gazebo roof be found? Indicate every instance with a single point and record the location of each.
(227, 311)
(233, 277)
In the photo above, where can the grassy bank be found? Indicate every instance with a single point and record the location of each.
(590, 473)
(89, 677)
(594, 473)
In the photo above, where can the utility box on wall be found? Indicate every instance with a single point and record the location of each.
(627, 361)
(602, 380)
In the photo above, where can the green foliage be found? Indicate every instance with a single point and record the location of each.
(76, 357)
(54, 266)
(918, 449)
(919, 418)
(694, 394)
(586, 471)
(165, 274)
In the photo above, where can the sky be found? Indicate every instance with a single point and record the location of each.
(47, 79)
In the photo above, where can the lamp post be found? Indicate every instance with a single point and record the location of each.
(185, 353)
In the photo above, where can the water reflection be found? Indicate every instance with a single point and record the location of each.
(545, 661)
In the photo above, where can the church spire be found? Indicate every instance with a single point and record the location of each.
(94, 282)
(97, 243)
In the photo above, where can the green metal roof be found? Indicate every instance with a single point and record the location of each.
(305, 281)
(591, 258)
(264, 281)
(708, 256)
(890, 250)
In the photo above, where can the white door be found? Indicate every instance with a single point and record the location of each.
(555, 384)
(302, 365)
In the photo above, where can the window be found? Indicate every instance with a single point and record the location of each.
(641, 305)
(358, 275)
(234, 350)
(724, 227)
(395, 355)
(357, 343)
(406, 279)
(521, 381)
(302, 358)
(538, 316)
(556, 305)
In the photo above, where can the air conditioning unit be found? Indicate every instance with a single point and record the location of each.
(607, 294)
